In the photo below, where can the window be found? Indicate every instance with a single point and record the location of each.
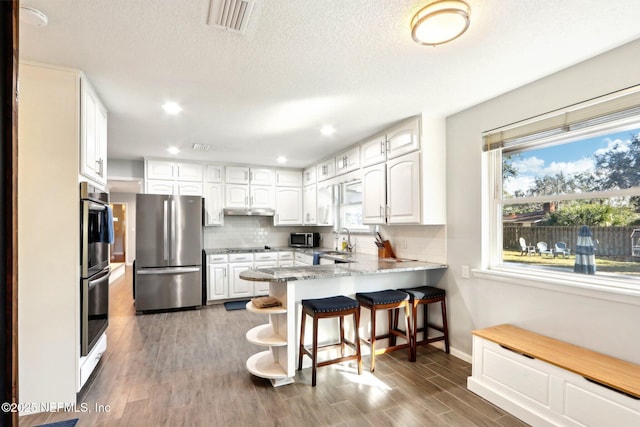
(350, 207)
(565, 192)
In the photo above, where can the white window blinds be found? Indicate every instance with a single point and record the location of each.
(609, 108)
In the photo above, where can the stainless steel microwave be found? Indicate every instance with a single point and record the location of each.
(304, 240)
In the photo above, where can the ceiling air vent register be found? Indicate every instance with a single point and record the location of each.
(230, 15)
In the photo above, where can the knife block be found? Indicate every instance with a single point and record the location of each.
(386, 251)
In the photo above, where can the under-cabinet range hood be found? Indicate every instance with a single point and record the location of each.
(249, 212)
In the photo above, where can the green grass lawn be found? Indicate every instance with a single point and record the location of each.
(602, 264)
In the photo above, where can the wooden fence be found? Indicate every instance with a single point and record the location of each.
(612, 242)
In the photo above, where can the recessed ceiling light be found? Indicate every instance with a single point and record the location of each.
(173, 150)
(328, 130)
(281, 159)
(171, 107)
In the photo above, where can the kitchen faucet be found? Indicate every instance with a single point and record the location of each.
(349, 245)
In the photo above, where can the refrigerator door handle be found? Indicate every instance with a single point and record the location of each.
(166, 231)
(175, 270)
(173, 229)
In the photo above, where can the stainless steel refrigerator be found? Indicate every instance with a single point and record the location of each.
(168, 265)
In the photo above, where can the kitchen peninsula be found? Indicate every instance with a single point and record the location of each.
(363, 273)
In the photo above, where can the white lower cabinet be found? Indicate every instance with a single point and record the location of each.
(217, 277)
(264, 260)
(543, 394)
(239, 288)
(303, 259)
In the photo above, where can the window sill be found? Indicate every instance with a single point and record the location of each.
(601, 287)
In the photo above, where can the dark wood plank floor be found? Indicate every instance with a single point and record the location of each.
(187, 368)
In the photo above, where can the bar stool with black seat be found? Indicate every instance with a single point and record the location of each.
(324, 308)
(425, 295)
(392, 301)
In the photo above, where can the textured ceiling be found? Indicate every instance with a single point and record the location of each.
(303, 64)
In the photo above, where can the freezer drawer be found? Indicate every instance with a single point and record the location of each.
(166, 288)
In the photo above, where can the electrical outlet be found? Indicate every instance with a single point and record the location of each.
(465, 271)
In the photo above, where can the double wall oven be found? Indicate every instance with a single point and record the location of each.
(95, 228)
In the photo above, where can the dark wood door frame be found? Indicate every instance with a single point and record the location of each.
(9, 207)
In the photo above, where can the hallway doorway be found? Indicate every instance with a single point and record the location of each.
(119, 246)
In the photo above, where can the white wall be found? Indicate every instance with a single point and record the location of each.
(48, 235)
(598, 324)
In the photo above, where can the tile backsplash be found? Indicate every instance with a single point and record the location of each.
(423, 242)
(251, 231)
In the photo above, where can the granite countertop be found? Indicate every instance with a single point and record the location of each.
(359, 264)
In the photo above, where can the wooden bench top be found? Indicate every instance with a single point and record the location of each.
(606, 370)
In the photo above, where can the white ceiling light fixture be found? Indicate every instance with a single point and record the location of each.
(173, 150)
(32, 16)
(327, 130)
(281, 159)
(172, 108)
(440, 22)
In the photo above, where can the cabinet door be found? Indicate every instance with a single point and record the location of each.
(237, 196)
(236, 175)
(261, 176)
(348, 161)
(403, 189)
(101, 144)
(325, 205)
(403, 138)
(89, 132)
(261, 197)
(326, 169)
(373, 151)
(288, 206)
(374, 194)
(189, 172)
(189, 188)
(217, 281)
(160, 169)
(310, 205)
(214, 173)
(160, 187)
(288, 178)
(213, 204)
(237, 286)
(262, 288)
(309, 176)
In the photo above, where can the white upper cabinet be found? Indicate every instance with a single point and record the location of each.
(397, 141)
(373, 151)
(348, 161)
(160, 169)
(93, 134)
(309, 205)
(326, 169)
(261, 196)
(261, 176)
(403, 190)
(164, 169)
(325, 205)
(288, 178)
(237, 196)
(374, 194)
(189, 172)
(403, 138)
(214, 173)
(237, 175)
(213, 204)
(309, 176)
(288, 206)
(246, 175)
(185, 177)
